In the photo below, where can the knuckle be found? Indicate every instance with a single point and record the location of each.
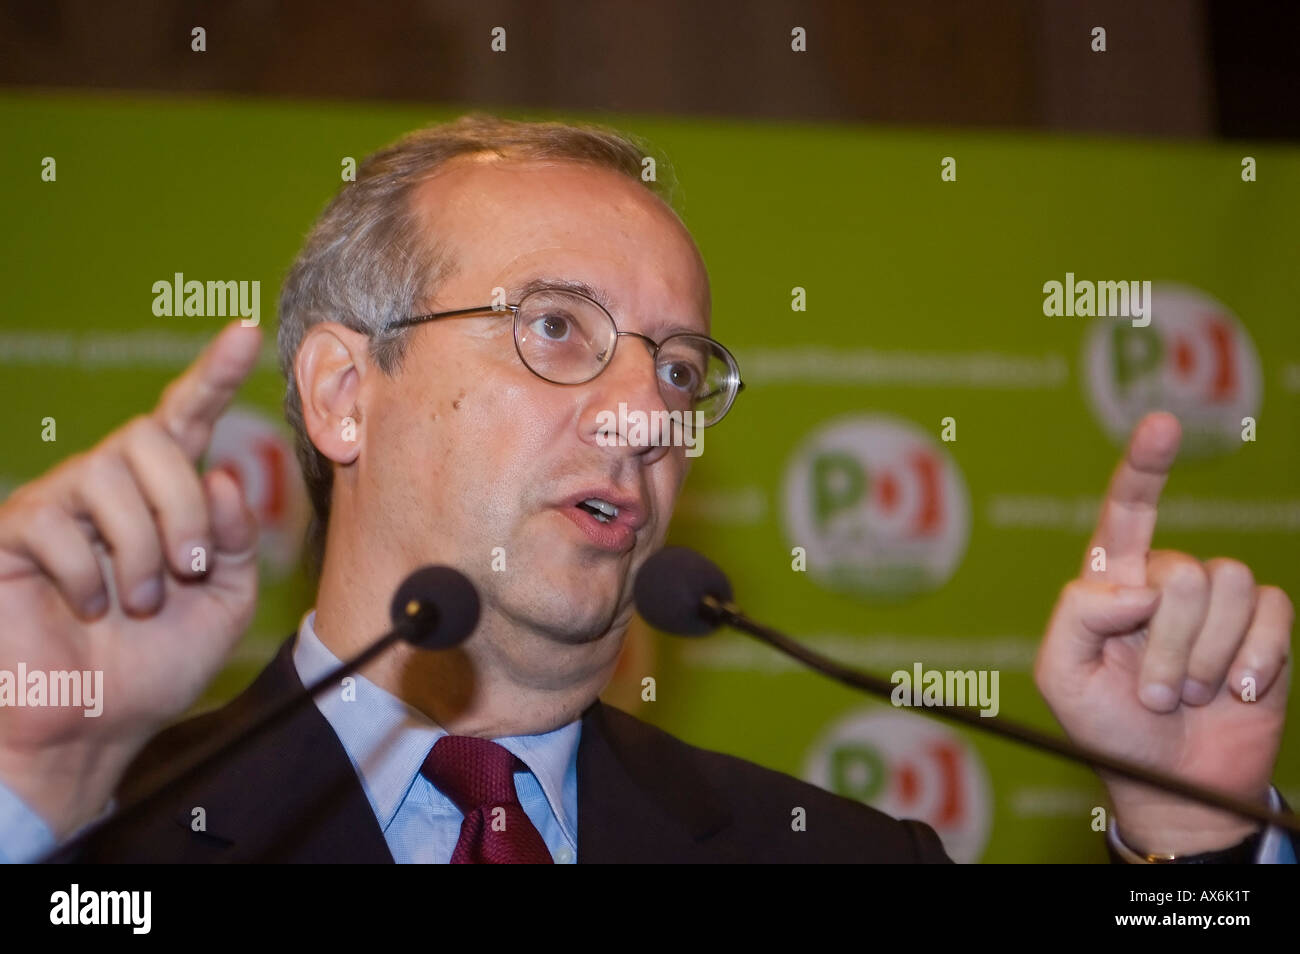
(22, 498)
(1231, 575)
(63, 475)
(18, 505)
(98, 469)
(139, 429)
(170, 390)
(1073, 594)
(1186, 578)
(40, 518)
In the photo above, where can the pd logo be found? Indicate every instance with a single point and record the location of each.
(254, 451)
(878, 506)
(1194, 359)
(908, 767)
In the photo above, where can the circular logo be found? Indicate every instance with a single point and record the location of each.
(909, 767)
(1194, 359)
(254, 451)
(878, 506)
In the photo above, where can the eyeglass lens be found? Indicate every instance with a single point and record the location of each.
(569, 339)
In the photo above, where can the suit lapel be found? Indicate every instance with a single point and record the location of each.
(290, 794)
(639, 799)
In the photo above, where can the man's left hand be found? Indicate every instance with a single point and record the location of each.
(1179, 665)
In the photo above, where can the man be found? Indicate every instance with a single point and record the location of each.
(455, 333)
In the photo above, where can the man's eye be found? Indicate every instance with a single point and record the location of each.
(681, 376)
(552, 327)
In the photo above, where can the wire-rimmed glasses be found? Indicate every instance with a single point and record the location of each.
(565, 337)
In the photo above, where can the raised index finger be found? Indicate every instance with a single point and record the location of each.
(191, 404)
(1128, 514)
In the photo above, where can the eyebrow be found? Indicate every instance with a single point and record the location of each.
(595, 293)
(598, 295)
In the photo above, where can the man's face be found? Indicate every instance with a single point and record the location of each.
(468, 451)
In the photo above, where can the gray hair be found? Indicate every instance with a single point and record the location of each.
(367, 260)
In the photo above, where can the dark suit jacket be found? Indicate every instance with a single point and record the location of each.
(291, 795)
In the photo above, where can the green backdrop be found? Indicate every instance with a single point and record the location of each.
(924, 301)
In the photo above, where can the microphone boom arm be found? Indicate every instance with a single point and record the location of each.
(724, 611)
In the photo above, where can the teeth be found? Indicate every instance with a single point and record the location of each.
(604, 510)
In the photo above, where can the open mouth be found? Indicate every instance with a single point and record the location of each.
(609, 518)
(602, 510)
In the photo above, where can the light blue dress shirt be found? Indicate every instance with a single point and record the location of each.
(388, 741)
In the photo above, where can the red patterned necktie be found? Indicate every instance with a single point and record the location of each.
(478, 776)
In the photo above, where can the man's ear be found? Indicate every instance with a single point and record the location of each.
(329, 369)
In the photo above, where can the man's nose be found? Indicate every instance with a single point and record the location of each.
(632, 381)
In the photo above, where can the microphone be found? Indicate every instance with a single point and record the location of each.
(671, 588)
(682, 592)
(434, 608)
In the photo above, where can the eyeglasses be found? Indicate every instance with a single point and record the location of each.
(564, 337)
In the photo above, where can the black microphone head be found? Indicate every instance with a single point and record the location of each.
(670, 586)
(437, 607)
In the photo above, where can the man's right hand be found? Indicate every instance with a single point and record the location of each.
(97, 573)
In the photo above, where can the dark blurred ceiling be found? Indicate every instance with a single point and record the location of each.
(1172, 68)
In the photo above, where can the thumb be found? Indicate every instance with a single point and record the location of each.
(1089, 613)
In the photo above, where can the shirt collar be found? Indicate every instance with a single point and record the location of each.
(388, 740)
